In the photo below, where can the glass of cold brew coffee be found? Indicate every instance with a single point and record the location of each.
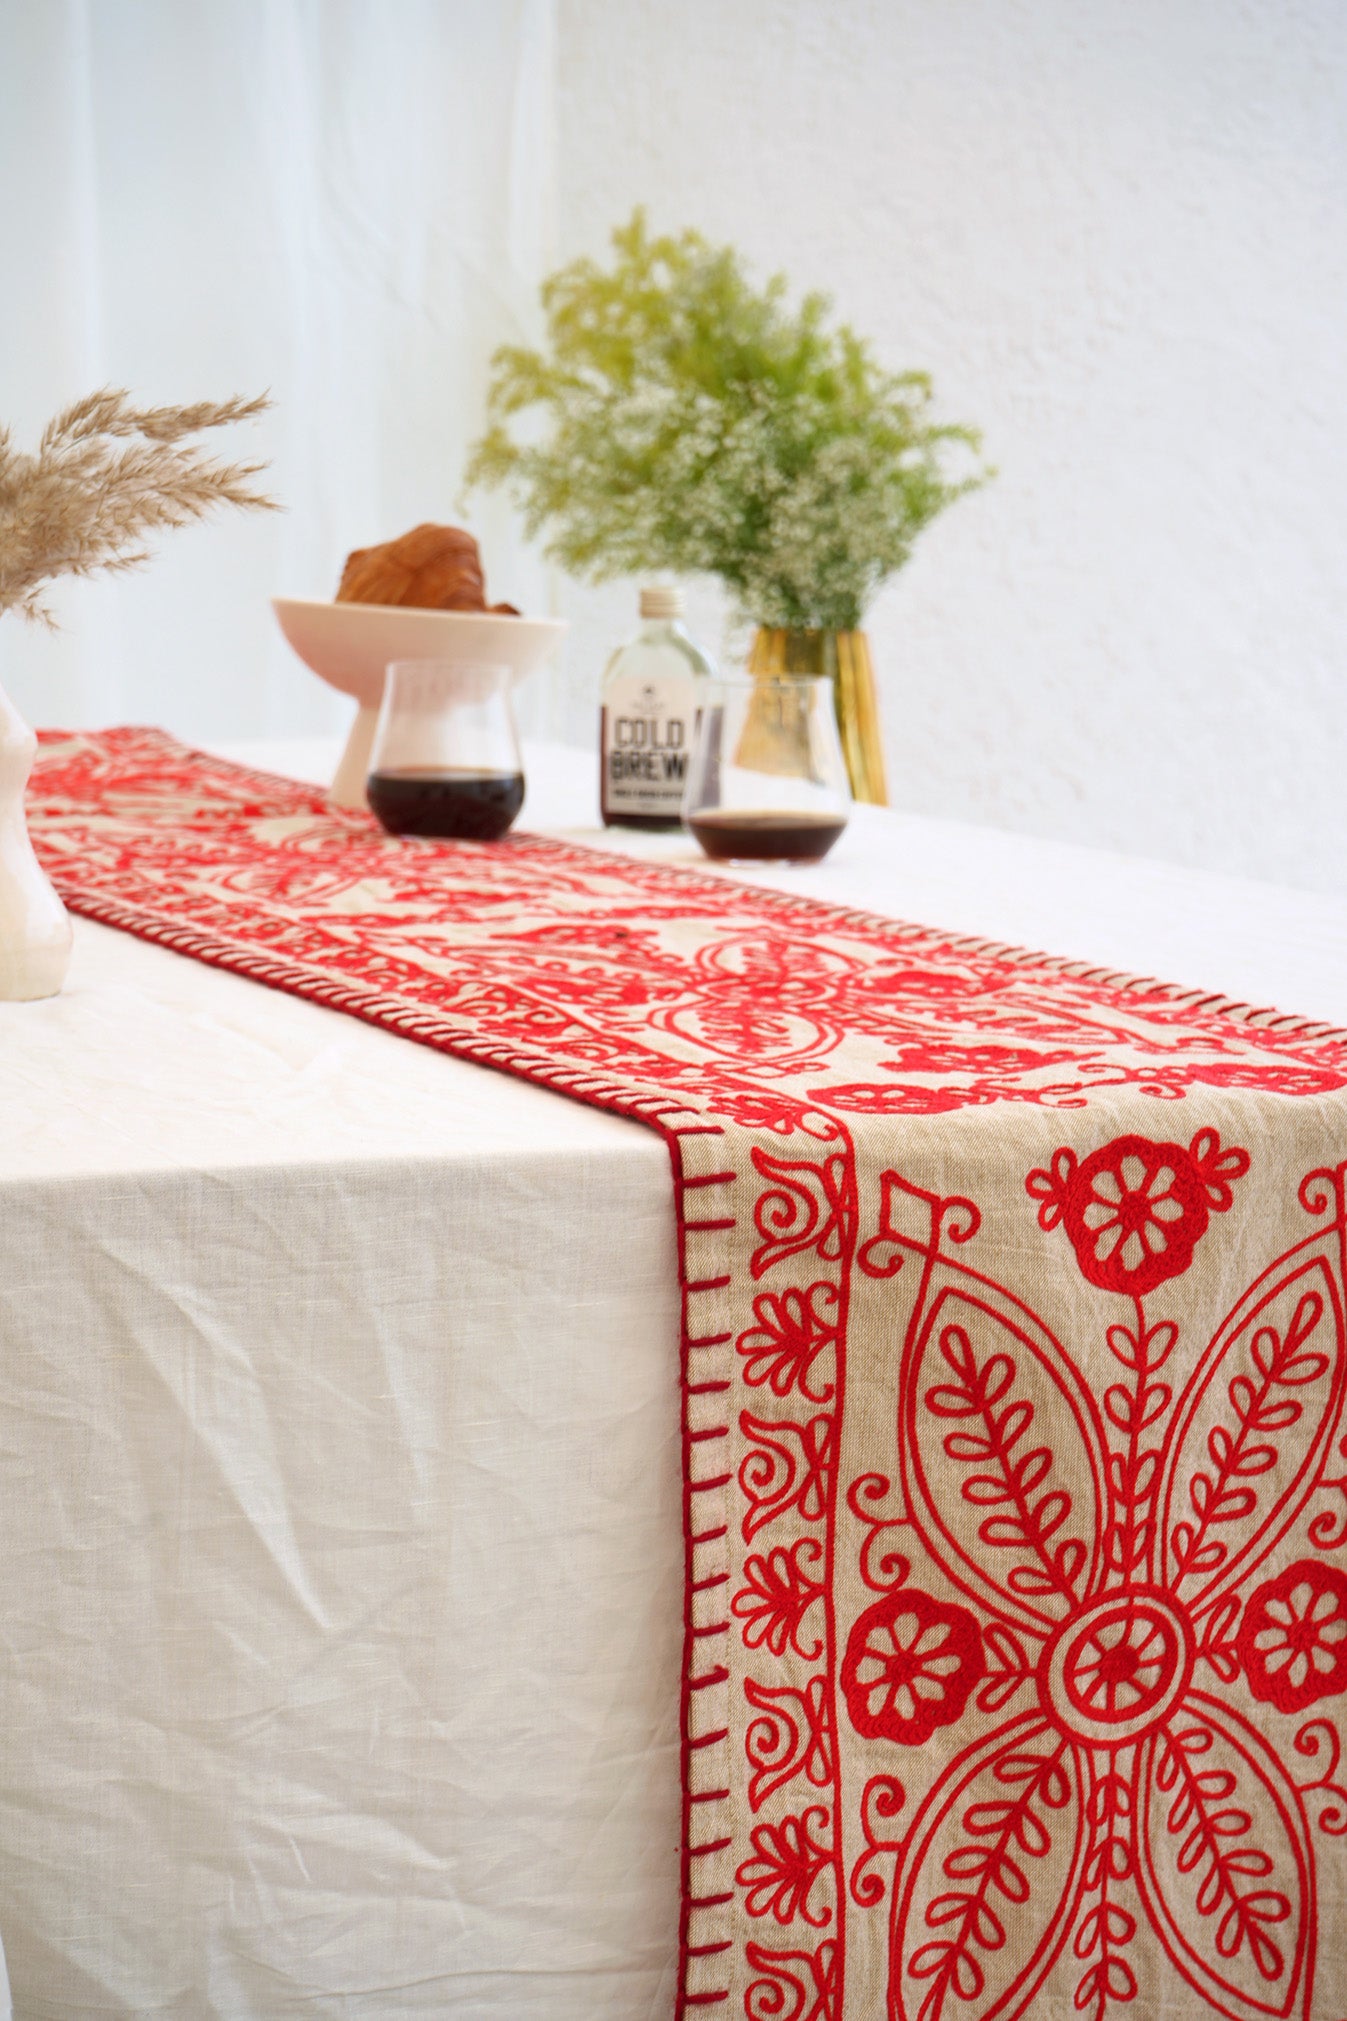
(445, 759)
(767, 782)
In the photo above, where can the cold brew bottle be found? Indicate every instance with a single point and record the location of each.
(652, 694)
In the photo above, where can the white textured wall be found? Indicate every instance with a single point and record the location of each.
(1116, 233)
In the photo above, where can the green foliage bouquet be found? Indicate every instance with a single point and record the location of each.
(699, 425)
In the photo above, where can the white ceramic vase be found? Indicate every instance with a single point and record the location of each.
(35, 933)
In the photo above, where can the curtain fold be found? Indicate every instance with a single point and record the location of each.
(346, 201)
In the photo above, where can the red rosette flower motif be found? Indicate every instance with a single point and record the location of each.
(1135, 1210)
(1292, 1641)
(1108, 1806)
(910, 1664)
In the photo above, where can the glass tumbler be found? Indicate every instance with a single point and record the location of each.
(445, 758)
(767, 782)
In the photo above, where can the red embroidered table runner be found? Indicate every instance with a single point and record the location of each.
(1013, 1379)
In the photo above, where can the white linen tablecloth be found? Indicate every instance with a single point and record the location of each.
(340, 1579)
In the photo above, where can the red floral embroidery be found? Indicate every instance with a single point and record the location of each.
(792, 1736)
(1124, 1782)
(1115, 1665)
(789, 1863)
(1293, 1638)
(1135, 1210)
(910, 1664)
(793, 1329)
(787, 1466)
(1260, 1402)
(776, 1598)
(807, 1980)
(806, 1206)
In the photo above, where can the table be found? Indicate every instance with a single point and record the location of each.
(343, 1561)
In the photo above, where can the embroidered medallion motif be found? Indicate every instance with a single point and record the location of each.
(1110, 1539)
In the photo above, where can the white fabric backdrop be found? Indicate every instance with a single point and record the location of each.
(346, 200)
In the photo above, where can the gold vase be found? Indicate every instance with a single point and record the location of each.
(845, 658)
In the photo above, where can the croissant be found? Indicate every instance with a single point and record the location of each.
(430, 568)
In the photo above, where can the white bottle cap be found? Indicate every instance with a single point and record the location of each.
(661, 600)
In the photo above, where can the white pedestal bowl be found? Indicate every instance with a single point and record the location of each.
(349, 645)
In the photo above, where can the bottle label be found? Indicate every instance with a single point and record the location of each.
(648, 728)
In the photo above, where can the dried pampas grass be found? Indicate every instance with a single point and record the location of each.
(105, 477)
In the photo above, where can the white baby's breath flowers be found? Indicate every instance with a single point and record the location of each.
(697, 425)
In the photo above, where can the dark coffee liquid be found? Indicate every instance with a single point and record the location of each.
(752, 837)
(471, 806)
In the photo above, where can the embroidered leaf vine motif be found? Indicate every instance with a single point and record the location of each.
(1008, 1481)
(1107, 1597)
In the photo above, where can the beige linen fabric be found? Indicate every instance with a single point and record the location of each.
(900, 1800)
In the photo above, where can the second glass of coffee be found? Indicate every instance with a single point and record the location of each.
(767, 782)
(445, 759)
